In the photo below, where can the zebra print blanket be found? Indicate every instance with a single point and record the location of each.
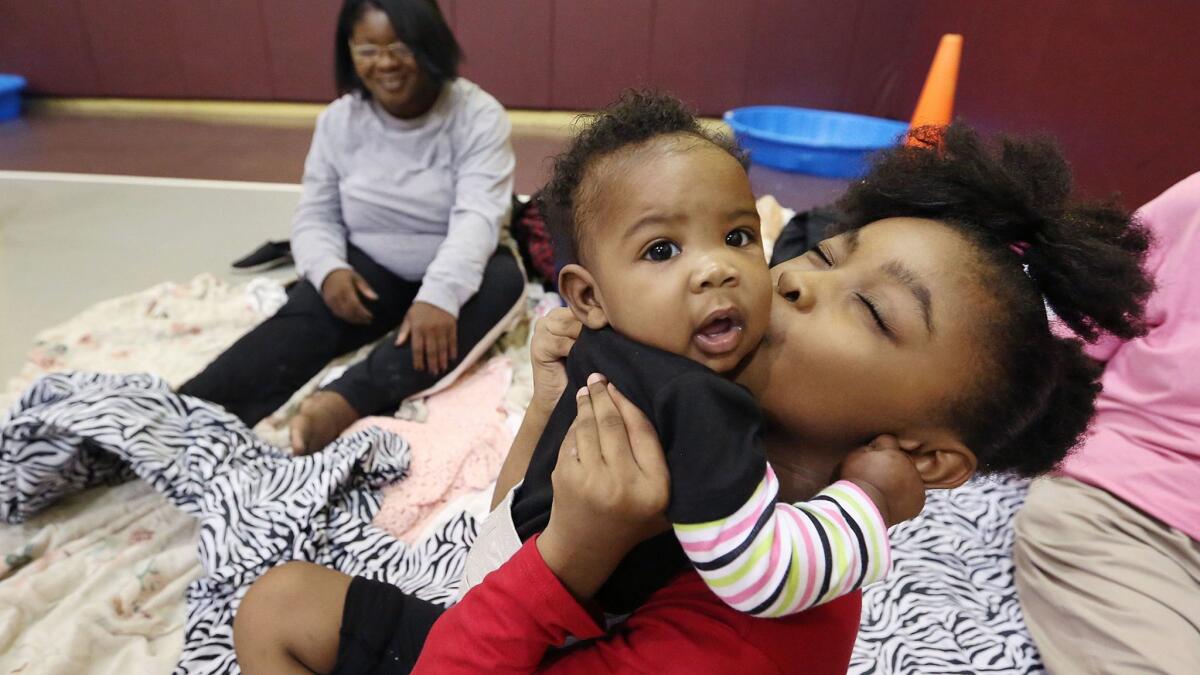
(257, 506)
(949, 605)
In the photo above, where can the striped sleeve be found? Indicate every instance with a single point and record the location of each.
(772, 560)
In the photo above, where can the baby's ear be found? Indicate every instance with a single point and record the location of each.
(941, 458)
(578, 288)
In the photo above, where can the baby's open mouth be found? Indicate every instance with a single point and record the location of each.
(720, 333)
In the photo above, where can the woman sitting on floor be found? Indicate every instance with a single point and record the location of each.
(406, 187)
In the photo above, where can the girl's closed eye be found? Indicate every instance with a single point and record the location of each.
(871, 306)
(661, 251)
(880, 320)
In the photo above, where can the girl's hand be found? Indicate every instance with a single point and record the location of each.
(434, 333)
(553, 337)
(611, 489)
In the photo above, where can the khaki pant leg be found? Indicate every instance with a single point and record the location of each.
(1104, 587)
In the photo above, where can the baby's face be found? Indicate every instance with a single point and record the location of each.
(676, 253)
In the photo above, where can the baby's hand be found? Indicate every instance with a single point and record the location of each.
(887, 474)
(553, 337)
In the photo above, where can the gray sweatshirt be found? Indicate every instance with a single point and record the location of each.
(425, 197)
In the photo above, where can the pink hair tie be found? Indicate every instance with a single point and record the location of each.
(1020, 248)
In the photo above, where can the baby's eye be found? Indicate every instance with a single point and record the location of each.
(661, 251)
(739, 238)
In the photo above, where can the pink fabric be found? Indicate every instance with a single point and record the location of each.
(810, 549)
(1145, 441)
(457, 449)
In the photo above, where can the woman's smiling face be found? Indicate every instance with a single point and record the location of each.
(387, 68)
(874, 331)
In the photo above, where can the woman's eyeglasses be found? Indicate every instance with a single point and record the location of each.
(397, 50)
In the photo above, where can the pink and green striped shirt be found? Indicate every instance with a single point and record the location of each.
(770, 559)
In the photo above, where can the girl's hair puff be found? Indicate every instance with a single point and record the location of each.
(1036, 249)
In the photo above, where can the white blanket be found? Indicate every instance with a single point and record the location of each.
(256, 506)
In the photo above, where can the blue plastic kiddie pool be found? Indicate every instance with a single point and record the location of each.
(10, 96)
(819, 142)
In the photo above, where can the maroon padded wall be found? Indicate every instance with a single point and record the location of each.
(509, 46)
(299, 41)
(601, 48)
(1117, 82)
(1114, 80)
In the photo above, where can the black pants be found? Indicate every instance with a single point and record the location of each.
(262, 370)
(383, 629)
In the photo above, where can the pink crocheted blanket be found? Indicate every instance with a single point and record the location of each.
(457, 450)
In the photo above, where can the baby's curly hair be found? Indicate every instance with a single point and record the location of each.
(1036, 249)
(634, 119)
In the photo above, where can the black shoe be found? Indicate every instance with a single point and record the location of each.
(268, 256)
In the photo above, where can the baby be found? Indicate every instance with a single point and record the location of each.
(673, 290)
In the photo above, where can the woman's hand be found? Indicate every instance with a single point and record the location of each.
(553, 337)
(341, 290)
(611, 489)
(434, 334)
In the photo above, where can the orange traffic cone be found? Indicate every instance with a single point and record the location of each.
(936, 103)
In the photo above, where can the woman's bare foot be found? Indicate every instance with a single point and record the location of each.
(322, 417)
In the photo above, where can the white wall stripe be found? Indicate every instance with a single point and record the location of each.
(149, 181)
